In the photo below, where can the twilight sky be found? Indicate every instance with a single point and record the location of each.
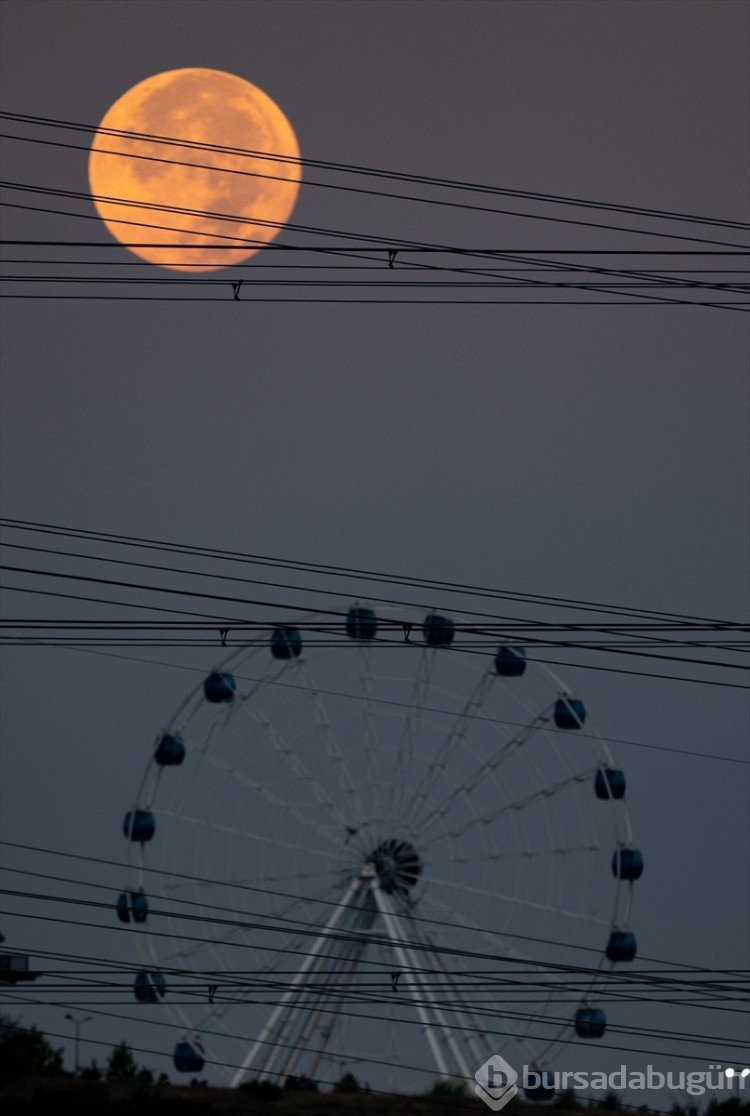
(538, 443)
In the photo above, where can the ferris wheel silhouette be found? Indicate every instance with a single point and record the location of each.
(356, 840)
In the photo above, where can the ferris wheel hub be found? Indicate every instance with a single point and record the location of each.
(397, 865)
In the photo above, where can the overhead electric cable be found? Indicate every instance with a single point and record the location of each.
(403, 245)
(515, 624)
(326, 569)
(396, 625)
(451, 184)
(671, 968)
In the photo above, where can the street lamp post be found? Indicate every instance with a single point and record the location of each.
(77, 1023)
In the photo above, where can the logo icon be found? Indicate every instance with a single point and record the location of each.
(496, 1082)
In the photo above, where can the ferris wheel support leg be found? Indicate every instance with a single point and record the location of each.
(276, 1019)
(409, 964)
(474, 1028)
(440, 1016)
(337, 980)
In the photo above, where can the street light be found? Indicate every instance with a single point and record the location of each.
(77, 1023)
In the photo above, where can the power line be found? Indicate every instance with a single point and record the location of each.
(592, 286)
(684, 627)
(327, 569)
(532, 284)
(229, 983)
(232, 982)
(398, 625)
(450, 184)
(650, 674)
(538, 633)
(359, 284)
(672, 969)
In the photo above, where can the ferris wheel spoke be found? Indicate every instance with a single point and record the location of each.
(452, 743)
(240, 777)
(464, 994)
(243, 831)
(299, 770)
(452, 918)
(472, 889)
(537, 1007)
(346, 784)
(197, 892)
(289, 939)
(274, 917)
(368, 722)
(283, 913)
(290, 878)
(516, 807)
(485, 769)
(524, 854)
(410, 726)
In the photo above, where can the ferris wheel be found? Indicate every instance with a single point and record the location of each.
(369, 842)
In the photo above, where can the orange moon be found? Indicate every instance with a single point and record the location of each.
(149, 192)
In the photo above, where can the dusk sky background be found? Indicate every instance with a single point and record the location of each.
(528, 442)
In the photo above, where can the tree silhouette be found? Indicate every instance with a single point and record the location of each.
(347, 1084)
(121, 1064)
(300, 1084)
(25, 1052)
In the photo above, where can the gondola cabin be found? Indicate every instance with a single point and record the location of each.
(219, 688)
(189, 1057)
(286, 643)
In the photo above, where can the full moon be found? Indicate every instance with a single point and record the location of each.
(188, 164)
